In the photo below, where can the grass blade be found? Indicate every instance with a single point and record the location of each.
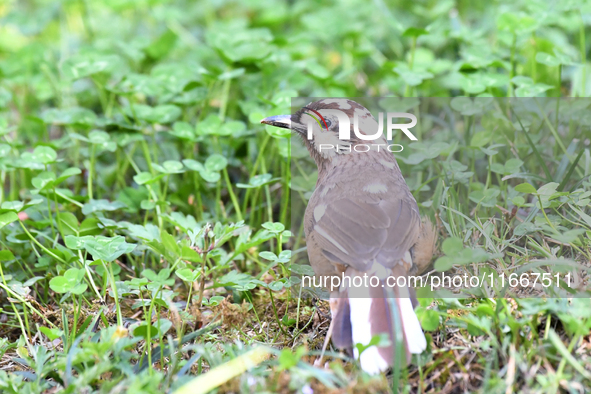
(222, 373)
(570, 170)
(557, 342)
(189, 364)
(186, 338)
(535, 150)
(561, 170)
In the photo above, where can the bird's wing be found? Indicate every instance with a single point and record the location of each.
(377, 220)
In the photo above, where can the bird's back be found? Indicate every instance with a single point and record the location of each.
(361, 212)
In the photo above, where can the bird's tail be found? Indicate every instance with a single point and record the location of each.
(362, 312)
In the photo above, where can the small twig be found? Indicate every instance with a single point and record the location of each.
(204, 252)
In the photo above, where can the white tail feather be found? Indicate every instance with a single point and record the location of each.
(371, 361)
(415, 339)
(360, 304)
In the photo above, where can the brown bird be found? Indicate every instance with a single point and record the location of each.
(361, 220)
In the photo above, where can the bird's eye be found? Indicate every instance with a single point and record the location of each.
(328, 123)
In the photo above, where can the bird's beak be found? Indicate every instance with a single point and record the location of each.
(283, 121)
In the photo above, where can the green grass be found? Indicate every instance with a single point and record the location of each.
(145, 220)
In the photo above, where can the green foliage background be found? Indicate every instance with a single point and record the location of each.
(127, 125)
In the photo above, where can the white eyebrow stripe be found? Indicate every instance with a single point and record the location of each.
(322, 232)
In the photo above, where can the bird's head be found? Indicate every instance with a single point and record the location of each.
(318, 123)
